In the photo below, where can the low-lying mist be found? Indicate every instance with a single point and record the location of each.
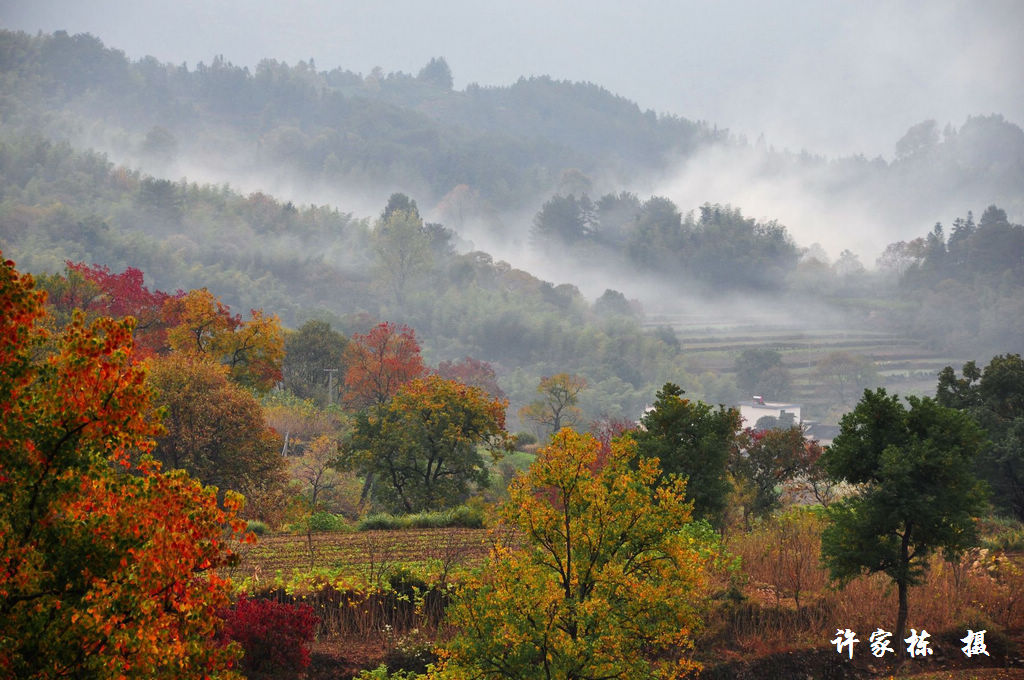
(842, 204)
(848, 203)
(238, 164)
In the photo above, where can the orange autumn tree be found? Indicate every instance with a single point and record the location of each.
(609, 582)
(194, 322)
(202, 325)
(107, 567)
(215, 430)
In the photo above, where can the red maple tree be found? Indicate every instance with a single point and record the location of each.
(125, 294)
(379, 363)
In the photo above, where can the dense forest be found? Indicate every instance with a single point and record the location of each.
(315, 262)
(337, 126)
(305, 262)
(488, 149)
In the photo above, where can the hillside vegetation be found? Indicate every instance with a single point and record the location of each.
(249, 435)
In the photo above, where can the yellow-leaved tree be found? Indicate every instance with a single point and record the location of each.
(608, 583)
(200, 324)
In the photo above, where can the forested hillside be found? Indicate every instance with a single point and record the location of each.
(241, 303)
(315, 262)
(473, 155)
(481, 154)
(336, 127)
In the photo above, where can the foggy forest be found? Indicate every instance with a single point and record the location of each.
(318, 368)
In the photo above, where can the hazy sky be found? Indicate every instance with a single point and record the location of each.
(831, 77)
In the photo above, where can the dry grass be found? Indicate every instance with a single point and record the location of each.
(790, 602)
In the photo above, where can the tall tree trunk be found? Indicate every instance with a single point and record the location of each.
(903, 586)
(364, 496)
(901, 617)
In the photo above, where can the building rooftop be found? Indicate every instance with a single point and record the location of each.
(776, 405)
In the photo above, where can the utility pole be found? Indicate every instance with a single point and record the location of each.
(330, 384)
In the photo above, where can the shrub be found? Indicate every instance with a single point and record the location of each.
(274, 636)
(465, 516)
(461, 516)
(404, 582)
(782, 552)
(381, 672)
(1002, 533)
(257, 527)
(521, 440)
(379, 521)
(426, 520)
(325, 521)
(412, 654)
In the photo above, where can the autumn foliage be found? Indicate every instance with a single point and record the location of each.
(195, 322)
(125, 294)
(470, 371)
(202, 325)
(274, 636)
(609, 582)
(97, 291)
(213, 428)
(380, 362)
(556, 408)
(107, 565)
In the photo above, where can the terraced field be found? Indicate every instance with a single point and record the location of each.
(362, 554)
(906, 365)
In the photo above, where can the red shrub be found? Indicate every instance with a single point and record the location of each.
(274, 636)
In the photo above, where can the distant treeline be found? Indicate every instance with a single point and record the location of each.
(964, 293)
(538, 142)
(508, 143)
(305, 262)
(718, 247)
(506, 148)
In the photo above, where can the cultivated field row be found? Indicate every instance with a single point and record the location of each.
(365, 554)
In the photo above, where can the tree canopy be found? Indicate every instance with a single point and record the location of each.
(213, 428)
(917, 492)
(765, 459)
(609, 583)
(556, 407)
(422, 446)
(379, 363)
(108, 566)
(692, 440)
(761, 372)
(994, 397)
(310, 352)
(203, 325)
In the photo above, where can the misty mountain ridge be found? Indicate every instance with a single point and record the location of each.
(700, 227)
(348, 139)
